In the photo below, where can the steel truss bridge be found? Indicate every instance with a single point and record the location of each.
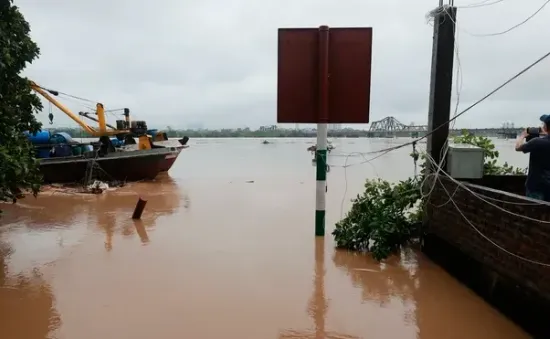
(391, 127)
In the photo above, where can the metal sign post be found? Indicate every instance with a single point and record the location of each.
(324, 78)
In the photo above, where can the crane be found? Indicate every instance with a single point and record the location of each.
(102, 130)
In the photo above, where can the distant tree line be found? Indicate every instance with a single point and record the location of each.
(234, 133)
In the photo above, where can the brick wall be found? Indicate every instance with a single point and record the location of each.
(519, 288)
(508, 183)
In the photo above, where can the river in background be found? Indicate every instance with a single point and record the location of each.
(226, 249)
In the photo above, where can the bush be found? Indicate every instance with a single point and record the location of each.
(380, 220)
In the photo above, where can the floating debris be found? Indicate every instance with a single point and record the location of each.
(97, 187)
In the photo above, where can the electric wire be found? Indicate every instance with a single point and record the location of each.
(484, 3)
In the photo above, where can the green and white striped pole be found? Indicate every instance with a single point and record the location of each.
(321, 189)
(322, 131)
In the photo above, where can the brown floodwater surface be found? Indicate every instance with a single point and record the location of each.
(225, 249)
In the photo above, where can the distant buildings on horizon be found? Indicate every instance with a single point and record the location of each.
(298, 127)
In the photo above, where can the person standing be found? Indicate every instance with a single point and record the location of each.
(538, 176)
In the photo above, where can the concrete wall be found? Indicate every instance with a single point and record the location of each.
(517, 287)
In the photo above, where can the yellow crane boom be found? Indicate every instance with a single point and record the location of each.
(100, 111)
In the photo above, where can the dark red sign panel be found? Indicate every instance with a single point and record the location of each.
(300, 74)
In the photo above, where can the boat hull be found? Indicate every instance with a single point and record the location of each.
(175, 149)
(170, 159)
(121, 166)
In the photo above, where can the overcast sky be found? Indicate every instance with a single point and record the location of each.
(212, 62)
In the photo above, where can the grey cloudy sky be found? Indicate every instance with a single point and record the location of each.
(181, 63)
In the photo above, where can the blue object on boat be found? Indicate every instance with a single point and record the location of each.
(61, 138)
(62, 151)
(152, 132)
(42, 137)
(42, 153)
(116, 142)
(87, 148)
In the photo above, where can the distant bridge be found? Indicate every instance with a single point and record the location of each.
(391, 127)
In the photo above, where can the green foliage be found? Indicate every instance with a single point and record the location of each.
(18, 166)
(387, 216)
(491, 155)
(380, 220)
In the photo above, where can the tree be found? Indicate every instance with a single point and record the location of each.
(18, 105)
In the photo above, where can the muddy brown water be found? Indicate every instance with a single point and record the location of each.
(225, 249)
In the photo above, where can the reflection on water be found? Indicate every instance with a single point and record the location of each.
(318, 303)
(241, 261)
(66, 214)
(141, 231)
(430, 300)
(26, 302)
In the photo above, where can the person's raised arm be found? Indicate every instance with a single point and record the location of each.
(520, 142)
(527, 147)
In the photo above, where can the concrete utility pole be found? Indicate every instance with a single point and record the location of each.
(441, 83)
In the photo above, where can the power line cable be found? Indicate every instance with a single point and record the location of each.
(484, 3)
(517, 75)
(519, 24)
(445, 8)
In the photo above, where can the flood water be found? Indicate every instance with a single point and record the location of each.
(226, 249)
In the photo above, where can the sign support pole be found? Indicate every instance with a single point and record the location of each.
(321, 188)
(322, 132)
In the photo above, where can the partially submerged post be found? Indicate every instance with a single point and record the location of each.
(140, 206)
(323, 77)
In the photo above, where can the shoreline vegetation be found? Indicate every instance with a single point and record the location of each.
(237, 133)
(265, 132)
